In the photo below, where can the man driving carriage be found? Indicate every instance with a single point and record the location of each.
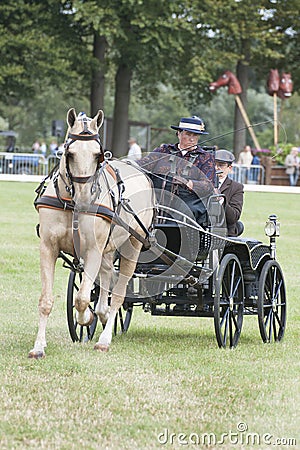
(185, 168)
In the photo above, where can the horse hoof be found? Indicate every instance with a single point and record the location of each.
(101, 347)
(86, 322)
(36, 355)
(91, 319)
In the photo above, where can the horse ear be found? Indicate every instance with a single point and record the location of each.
(71, 117)
(99, 118)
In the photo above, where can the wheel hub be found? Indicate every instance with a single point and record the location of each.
(231, 303)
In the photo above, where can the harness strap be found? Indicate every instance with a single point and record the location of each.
(84, 137)
(76, 233)
(46, 201)
(98, 210)
(145, 241)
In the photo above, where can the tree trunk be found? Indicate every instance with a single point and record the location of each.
(240, 134)
(98, 74)
(121, 110)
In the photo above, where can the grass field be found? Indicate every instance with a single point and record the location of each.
(163, 385)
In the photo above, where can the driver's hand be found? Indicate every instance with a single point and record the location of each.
(177, 179)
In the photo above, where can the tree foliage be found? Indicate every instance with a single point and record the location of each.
(50, 46)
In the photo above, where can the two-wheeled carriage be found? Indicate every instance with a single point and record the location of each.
(199, 272)
(101, 212)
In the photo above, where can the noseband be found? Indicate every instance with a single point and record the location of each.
(85, 135)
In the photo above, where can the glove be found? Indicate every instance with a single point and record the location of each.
(177, 179)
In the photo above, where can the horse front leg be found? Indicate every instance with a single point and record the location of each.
(47, 267)
(117, 299)
(107, 272)
(84, 315)
(127, 267)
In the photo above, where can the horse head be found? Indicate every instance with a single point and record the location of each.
(285, 86)
(227, 79)
(273, 82)
(83, 156)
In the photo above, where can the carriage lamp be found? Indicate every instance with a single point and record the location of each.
(272, 227)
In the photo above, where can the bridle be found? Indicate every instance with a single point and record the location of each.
(85, 135)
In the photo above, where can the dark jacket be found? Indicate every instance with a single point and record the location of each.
(166, 162)
(197, 165)
(234, 195)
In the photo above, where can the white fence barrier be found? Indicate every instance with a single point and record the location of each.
(254, 174)
(23, 164)
(18, 164)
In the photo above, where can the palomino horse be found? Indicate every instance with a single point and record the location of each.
(90, 208)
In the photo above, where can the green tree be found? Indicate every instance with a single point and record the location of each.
(241, 36)
(39, 48)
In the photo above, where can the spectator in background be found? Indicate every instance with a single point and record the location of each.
(292, 164)
(53, 148)
(245, 160)
(134, 151)
(43, 148)
(35, 146)
(254, 171)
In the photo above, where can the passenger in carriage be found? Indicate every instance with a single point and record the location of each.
(232, 191)
(184, 167)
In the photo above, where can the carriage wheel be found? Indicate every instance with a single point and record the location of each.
(122, 322)
(78, 332)
(229, 302)
(271, 307)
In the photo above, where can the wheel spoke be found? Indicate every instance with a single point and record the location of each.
(236, 286)
(274, 328)
(268, 316)
(278, 320)
(271, 325)
(80, 333)
(230, 329)
(232, 277)
(224, 317)
(235, 322)
(278, 290)
(121, 320)
(225, 330)
(274, 278)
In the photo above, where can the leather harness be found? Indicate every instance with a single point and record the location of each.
(59, 202)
